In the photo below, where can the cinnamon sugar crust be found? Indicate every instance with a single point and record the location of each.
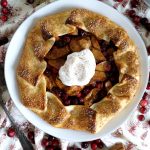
(39, 46)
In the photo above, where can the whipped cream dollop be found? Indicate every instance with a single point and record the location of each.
(78, 69)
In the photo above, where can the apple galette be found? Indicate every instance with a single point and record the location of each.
(78, 70)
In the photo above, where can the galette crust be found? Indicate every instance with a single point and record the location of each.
(32, 82)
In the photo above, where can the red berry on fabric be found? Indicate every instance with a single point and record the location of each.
(84, 145)
(4, 18)
(142, 110)
(119, 0)
(97, 141)
(100, 145)
(30, 1)
(144, 96)
(4, 3)
(49, 148)
(148, 122)
(55, 143)
(144, 21)
(30, 135)
(131, 13)
(143, 102)
(134, 3)
(141, 117)
(148, 86)
(136, 20)
(93, 146)
(45, 142)
(5, 11)
(11, 132)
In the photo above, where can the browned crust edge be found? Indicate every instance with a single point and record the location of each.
(119, 96)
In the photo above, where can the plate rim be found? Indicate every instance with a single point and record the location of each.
(57, 3)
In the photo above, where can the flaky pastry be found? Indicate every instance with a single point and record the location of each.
(40, 51)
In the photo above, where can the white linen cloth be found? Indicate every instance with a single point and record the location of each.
(134, 134)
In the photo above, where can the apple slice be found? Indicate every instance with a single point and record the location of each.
(98, 76)
(95, 43)
(56, 63)
(56, 52)
(89, 99)
(98, 55)
(73, 90)
(59, 83)
(103, 66)
(78, 44)
(49, 82)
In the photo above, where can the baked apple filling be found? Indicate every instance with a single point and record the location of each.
(107, 91)
(106, 73)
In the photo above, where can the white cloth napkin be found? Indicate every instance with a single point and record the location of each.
(134, 134)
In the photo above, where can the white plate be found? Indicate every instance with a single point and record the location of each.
(15, 49)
